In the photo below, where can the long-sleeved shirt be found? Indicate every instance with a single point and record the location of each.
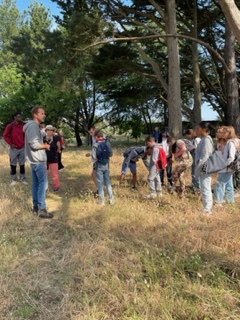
(14, 134)
(136, 154)
(204, 149)
(154, 157)
(229, 153)
(33, 141)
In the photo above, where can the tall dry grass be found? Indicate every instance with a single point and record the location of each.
(135, 260)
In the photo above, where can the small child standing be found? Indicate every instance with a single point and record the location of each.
(101, 153)
(154, 177)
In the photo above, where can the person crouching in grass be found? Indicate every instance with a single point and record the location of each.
(52, 155)
(131, 156)
(101, 153)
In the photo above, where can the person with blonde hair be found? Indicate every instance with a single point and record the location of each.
(220, 140)
(224, 186)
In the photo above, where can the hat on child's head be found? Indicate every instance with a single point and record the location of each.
(49, 127)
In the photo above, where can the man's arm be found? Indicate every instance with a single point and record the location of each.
(93, 153)
(110, 148)
(146, 162)
(7, 135)
(35, 143)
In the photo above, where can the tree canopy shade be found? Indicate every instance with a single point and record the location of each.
(119, 62)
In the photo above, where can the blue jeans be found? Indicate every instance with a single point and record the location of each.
(195, 181)
(224, 187)
(39, 183)
(103, 177)
(206, 190)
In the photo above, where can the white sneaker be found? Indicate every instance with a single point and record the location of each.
(151, 196)
(13, 183)
(159, 194)
(111, 201)
(24, 182)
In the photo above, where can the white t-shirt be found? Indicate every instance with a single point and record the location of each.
(165, 146)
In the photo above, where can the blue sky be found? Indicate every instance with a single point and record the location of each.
(207, 112)
(24, 4)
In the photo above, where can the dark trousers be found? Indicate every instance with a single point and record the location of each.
(169, 172)
(60, 165)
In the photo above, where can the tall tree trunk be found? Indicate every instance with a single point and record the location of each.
(196, 73)
(174, 85)
(232, 110)
(231, 13)
(77, 129)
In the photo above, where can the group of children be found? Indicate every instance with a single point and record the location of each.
(192, 152)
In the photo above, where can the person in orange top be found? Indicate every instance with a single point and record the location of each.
(15, 138)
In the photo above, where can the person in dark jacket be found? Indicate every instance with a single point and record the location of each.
(52, 155)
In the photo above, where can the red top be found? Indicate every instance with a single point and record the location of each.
(13, 134)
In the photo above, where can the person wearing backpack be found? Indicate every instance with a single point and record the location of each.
(184, 160)
(224, 189)
(131, 156)
(101, 153)
(92, 130)
(156, 163)
(14, 136)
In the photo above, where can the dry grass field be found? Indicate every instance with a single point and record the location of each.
(135, 260)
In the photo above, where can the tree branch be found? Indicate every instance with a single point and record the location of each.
(157, 36)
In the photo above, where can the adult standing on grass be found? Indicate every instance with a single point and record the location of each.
(224, 186)
(157, 134)
(204, 149)
(36, 155)
(15, 138)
